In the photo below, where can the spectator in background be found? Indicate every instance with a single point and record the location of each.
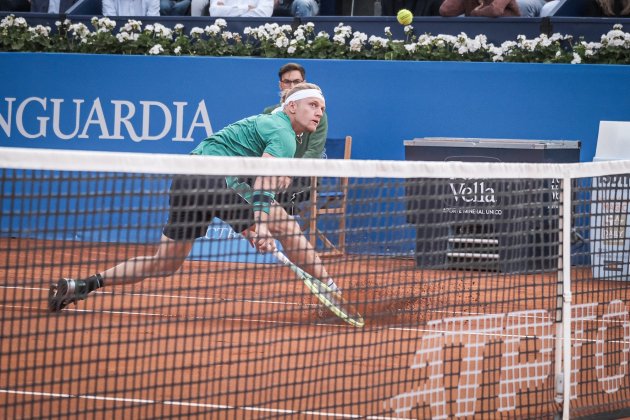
(595, 8)
(482, 8)
(230, 8)
(613, 7)
(417, 7)
(131, 7)
(15, 6)
(531, 8)
(548, 8)
(174, 7)
(296, 8)
(51, 6)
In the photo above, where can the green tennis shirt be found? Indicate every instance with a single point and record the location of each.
(251, 137)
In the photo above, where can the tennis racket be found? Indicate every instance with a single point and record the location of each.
(332, 300)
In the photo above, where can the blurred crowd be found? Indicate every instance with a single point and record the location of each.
(308, 8)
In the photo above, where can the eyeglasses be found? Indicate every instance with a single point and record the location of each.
(291, 82)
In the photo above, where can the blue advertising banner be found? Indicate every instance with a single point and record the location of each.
(168, 104)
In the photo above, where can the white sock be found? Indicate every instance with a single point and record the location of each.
(332, 285)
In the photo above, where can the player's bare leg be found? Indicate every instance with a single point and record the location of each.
(297, 247)
(169, 256)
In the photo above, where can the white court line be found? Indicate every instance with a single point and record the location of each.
(199, 405)
(201, 298)
(195, 318)
(261, 321)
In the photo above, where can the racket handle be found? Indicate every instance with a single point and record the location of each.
(281, 257)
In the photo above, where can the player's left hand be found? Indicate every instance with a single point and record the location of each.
(264, 241)
(284, 182)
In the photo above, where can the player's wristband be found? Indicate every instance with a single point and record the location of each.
(261, 200)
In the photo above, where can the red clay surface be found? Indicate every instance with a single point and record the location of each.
(222, 340)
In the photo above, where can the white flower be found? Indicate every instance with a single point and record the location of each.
(508, 45)
(408, 28)
(615, 33)
(356, 44)
(196, 32)
(616, 42)
(40, 30)
(7, 21)
(544, 41)
(126, 36)
(162, 31)
(377, 41)
(299, 35)
(342, 31)
(103, 24)
(221, 23)
(360, 36)
(132, 25)
(445, 39)
(425, 39)
(576, 58)
(212, 29)
(282, 42)
(156, 50)
(177, 50)
(291, 49)
(473, 45)
(79, 30)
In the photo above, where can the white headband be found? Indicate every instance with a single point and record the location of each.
(304, 93)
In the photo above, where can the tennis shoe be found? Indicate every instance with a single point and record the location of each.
(64, 292)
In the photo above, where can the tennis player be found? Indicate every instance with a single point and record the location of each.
(309, 145)
(249, 209)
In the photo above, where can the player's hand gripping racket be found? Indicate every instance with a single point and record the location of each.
(332, 300)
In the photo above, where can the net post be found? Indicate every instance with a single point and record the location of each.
(563, 311)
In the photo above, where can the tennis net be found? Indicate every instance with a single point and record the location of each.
(485, 290)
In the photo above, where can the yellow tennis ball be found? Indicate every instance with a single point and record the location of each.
(404, 16)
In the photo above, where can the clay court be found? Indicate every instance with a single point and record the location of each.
(223, 340)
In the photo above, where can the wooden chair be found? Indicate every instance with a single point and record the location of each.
(329, 197)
